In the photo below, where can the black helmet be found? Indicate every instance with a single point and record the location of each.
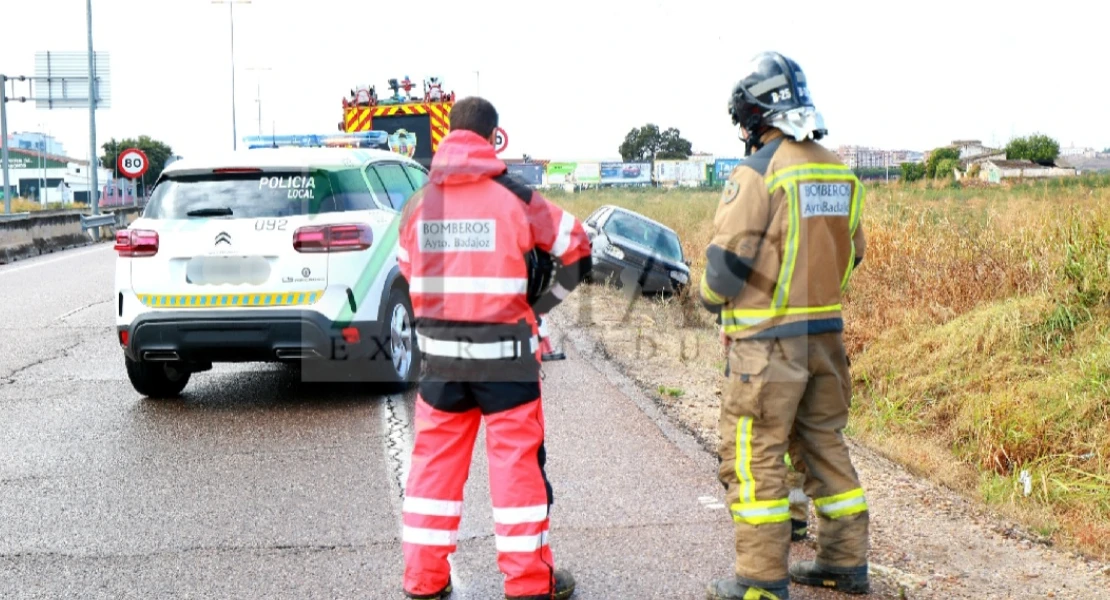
(774, 94)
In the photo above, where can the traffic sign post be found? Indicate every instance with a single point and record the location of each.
(502, 141)
(133, 164)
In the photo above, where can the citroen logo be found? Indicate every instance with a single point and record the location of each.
(223, 238)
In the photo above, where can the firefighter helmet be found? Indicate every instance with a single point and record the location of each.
(774, 94)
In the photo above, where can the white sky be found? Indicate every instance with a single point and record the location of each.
(571, 77)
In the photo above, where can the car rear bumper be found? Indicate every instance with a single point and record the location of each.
(650, 281)
(202, 336)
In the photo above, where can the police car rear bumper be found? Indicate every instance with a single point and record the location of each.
(199, 336)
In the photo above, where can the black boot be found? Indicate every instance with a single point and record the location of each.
(445, 592)
(798, 530)
(850, 580)
(737, 588)
(564, 588)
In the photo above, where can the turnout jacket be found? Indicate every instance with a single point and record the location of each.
(787, 236)
(463, 244)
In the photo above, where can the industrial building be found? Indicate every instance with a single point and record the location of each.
(31, 172)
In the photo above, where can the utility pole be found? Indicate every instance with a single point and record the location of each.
(231, 15)
(477, 83)
(94, 162)
(258, 94)
(4, 150)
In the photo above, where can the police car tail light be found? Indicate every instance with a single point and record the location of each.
(136, 243)
(333, 238)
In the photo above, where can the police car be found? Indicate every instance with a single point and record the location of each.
(279, 254)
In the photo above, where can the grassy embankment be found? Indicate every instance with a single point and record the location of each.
(24, 205)
(979, 330)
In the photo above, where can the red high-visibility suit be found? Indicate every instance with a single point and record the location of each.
(463, 241)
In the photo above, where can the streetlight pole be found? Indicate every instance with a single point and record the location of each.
(231, 15)
(258, 95)
(477, 83)
(94, 162)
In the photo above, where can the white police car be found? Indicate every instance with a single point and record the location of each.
(269, 255)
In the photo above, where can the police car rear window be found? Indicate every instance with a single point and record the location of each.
(253, 195)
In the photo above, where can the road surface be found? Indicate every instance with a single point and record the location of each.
(255, 485)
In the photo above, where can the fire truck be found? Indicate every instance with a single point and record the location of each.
(414, 124)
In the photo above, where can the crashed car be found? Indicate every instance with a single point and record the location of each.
(630, 249)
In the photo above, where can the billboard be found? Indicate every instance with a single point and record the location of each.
(619, 173)
(560, 173)
(589, 173)
(529, 173)
(723, 167)
(679, 171)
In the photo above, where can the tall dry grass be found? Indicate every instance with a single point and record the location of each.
(978, 329)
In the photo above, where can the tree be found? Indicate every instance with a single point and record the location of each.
(157, 152)
(912, 171)
(946, 168)
(1038, 148)
(648, 143)
(938, 155)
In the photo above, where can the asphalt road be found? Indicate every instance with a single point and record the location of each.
(256, 485)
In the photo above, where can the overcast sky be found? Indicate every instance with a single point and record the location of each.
(571, 77)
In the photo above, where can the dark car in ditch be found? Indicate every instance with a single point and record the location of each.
(630, 249)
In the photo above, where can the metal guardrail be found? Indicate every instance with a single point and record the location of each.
(14, 216)
(88, 222)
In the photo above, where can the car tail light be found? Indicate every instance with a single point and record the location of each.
(123, 338)
(333, 238)
(135, 243)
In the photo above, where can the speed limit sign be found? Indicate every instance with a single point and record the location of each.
(502, 141)
(132, 163)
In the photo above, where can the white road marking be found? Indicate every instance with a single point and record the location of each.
(67, 256)
(710, 502)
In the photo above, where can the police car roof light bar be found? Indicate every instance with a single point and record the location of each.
(358, 139)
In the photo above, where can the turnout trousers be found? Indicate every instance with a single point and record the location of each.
(448, 415)
(789, 394)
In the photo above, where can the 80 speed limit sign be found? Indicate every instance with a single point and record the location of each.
(132, 163)
(501, 141)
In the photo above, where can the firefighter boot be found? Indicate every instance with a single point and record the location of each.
(739, 588)
(850, 580)
(440, 595)
(564, 588)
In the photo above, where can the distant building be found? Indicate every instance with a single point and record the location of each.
(995, 171)
(37, 142)
(1073, 151)
(861, 157)
(40, 176)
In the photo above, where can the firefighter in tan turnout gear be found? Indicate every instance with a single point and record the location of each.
(787, 238)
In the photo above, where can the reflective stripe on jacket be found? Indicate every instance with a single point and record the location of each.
(787, 236)
(464, 238)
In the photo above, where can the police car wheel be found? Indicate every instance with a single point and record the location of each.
(403, 365)
(156, 380)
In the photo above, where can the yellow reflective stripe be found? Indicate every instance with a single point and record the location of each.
(755, 593)
(709, 294)
(848, 270)
(841, 505)
(744, 459)
(789, 463)
(806, 170)
(222, 300)
(759, 513)
(853, 225)
(786, 271)
(739, 319)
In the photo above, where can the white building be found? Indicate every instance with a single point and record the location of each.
(31, 172)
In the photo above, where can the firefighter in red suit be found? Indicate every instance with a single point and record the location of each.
(464, 239)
